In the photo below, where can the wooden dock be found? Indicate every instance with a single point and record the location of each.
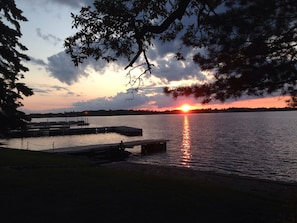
(57, 124)
(66, 130)
(113, 151)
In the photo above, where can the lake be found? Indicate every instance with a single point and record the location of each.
(257, 144)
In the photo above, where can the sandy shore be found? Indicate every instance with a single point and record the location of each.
(275, 190)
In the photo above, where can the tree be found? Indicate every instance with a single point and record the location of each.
(292, 102)
(250, 47)
(11, 69)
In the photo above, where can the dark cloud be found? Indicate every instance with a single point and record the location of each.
(120, 101)
(73, 3)
(41, 90)
(61, 67)
(49, 89)
(48, 37)
(59, 88)
(37, 61)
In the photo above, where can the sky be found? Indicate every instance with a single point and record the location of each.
(59, 86)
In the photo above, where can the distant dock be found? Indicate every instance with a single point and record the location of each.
(56, 124)
(62, 130)
(113, 151)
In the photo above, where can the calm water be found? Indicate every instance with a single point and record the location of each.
(262, 145)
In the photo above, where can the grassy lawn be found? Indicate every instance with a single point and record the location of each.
(38, 187)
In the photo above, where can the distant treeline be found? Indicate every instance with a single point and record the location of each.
(148, 112)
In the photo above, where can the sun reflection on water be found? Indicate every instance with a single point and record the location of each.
(186, 143)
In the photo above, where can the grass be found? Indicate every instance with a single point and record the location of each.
(39, 187)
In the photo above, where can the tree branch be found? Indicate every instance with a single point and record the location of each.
(177, 14)
(140, 50)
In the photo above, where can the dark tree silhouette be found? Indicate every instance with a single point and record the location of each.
(250, 47)
(11, 69)
(292, 102)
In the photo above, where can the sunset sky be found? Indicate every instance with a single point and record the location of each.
(59, 86)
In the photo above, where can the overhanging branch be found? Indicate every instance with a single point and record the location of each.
(177, 14)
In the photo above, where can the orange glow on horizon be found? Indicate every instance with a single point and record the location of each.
(37, 104)
(185, 108)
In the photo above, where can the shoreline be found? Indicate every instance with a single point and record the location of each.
(66, 188)
(270, 189)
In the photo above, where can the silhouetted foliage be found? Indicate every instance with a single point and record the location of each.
(11, 69)
(292, 102)
(250, 47)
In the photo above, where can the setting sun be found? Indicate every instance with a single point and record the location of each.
(185, 108)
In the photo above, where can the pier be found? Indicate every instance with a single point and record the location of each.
(66, 130)
(56, 124)
(113, 151)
